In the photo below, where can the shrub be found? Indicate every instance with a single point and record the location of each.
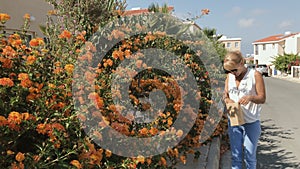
(41, 126)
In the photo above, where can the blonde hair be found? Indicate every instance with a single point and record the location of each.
(232, 58)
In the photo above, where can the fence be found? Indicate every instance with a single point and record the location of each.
(295, 70)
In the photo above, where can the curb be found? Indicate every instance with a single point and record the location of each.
(209, 156)
(213, 159)
(226, 160)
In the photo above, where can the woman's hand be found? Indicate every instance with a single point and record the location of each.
(228, 100)
(245, 100)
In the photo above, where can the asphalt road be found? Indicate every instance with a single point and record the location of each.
(279, 145)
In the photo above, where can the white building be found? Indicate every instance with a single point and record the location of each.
(266, 49)
(231, 44)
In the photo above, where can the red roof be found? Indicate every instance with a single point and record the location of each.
(141, 11)
(275, 38)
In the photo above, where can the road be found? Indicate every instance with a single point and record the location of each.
(279, 145)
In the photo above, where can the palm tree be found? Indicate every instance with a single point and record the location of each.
(213, 37)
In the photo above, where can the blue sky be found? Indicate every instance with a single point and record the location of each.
(250, 20)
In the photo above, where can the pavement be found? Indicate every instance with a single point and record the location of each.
(209, 157)
(225, 159)
(287, 77)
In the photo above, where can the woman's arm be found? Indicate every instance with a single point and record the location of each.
(226, 95)
(260, 97)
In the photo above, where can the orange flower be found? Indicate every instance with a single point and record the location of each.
(141, 159)
(9, 51)
(43, 128)
(3, 121)
(80, 36)
(108, 153)
(183, 159)
(163, 161)
(117, 34)
(179, 133)
(69, 68)
(6, 63)
(52, 86)
(23, 76)
(89, 76)
(30, 59)
(65, 34)
(81, 117)
(144, 131)
(127, 53)
(117, 54)
(20, 165)
(96, 99)
(26, 83)
(58, 127)
(205, 11)
(36, 42)
(20, 157)
(108, 62)
(14, 117)
(153, 131)
(89, 46)
(6, 82)
(4, 17)
(76, 163)
(9, 152)
(26, 16)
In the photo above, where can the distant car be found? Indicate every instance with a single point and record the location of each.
(263, 69)
(250, 66)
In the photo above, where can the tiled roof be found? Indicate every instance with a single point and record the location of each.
(275, 38)
(141, 11)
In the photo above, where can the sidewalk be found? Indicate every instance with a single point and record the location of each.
(209, 157)
(287, 77)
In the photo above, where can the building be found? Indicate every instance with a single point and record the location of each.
(138, 11)
(231, 44)
(266, 49)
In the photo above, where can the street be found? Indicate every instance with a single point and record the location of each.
(279, 145)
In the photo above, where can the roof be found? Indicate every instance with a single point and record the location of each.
(141, 11)
(274, 38)
(226, 39)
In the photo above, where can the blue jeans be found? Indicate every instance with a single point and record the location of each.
(243, 144)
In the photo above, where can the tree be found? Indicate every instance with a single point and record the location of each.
(219, 47)
(284, 62)
(156, 8)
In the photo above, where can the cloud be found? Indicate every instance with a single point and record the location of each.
(285, 24)
(245, 23)
(236, 10)
(257, 12)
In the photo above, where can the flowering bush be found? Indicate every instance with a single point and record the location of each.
(42, 127)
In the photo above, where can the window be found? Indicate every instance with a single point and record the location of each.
(228, 45)
(264, 46)
(236, 44)
(256, 49)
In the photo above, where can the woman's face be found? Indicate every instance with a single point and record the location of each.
(236, 70)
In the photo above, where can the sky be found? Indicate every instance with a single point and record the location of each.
(250, 20)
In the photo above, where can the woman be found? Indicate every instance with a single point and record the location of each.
(246, 87)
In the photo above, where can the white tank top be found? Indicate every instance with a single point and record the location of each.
(246, 87)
